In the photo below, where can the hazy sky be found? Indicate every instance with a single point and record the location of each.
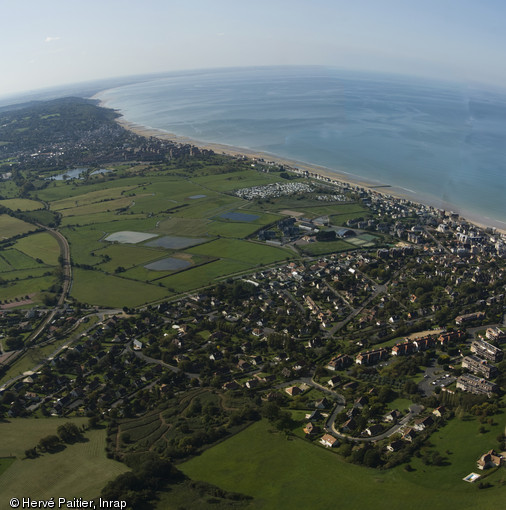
(54, 42)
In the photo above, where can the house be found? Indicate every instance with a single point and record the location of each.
(231, 385)
(371, 357)
(354, 411)
(310, 429)
(293, 391)
(450, 337)
(361, 402)
(461, 319)
(489, 460)
(439, 411)
(374, 430)
(314, 416)
(243, 365)
(424, 343)
(423, 423)
(252, 383)
(329, 441)
(339, 362)
(333, 381)
(137, 345)
(392, 415)
(350, 425)
(322, 404)
(395, 446)
(403, 348)
(409, 435)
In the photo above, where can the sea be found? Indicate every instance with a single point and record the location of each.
(440, 143)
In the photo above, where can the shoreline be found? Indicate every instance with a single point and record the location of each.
(340, 175)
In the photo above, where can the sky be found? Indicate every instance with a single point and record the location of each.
(46, 43)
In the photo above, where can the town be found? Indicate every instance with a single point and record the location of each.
(376, 327)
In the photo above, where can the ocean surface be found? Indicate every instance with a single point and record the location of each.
(442, 143)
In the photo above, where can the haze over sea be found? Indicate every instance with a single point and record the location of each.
(442, 143)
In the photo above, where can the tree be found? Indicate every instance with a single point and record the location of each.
(69, 432)
(49, 443)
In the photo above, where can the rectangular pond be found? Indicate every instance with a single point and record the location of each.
(129, 237)
(176, 242)
(168, 264)
(237, 216)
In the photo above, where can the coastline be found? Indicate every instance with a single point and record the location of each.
(384, 189)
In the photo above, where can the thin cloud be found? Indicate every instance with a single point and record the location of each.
(50, 39)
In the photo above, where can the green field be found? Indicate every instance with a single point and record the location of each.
(242, 251)
(18, 260)
(95, 287)
(80, 470)
(10, 227)
(158, 202)
(323, 248)
(21, 204)
(20, 289)
(42, 246)
(100, 207)
(92, 197)
(127, 256)
(288, 473)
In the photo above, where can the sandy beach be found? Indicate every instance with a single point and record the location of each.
(385, 189)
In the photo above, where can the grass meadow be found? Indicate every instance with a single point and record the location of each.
(112, 291)
(283, 472)
(80, 470)
(316, 249)
(10, 227)
(42, 246)
(167, 201)
(21, 204)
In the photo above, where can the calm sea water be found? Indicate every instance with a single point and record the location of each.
(443, 142)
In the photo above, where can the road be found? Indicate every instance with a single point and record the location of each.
(380, 289)
(154, 361)
(414, 410)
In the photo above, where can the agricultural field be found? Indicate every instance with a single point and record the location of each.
(112, 291)
(161, 202)
(242, 251)
(57, 474)
(21, 204)
(277, 467)
(35, 288)
(41, 246)
(10, 227)
(203, 275)
(26, 268)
